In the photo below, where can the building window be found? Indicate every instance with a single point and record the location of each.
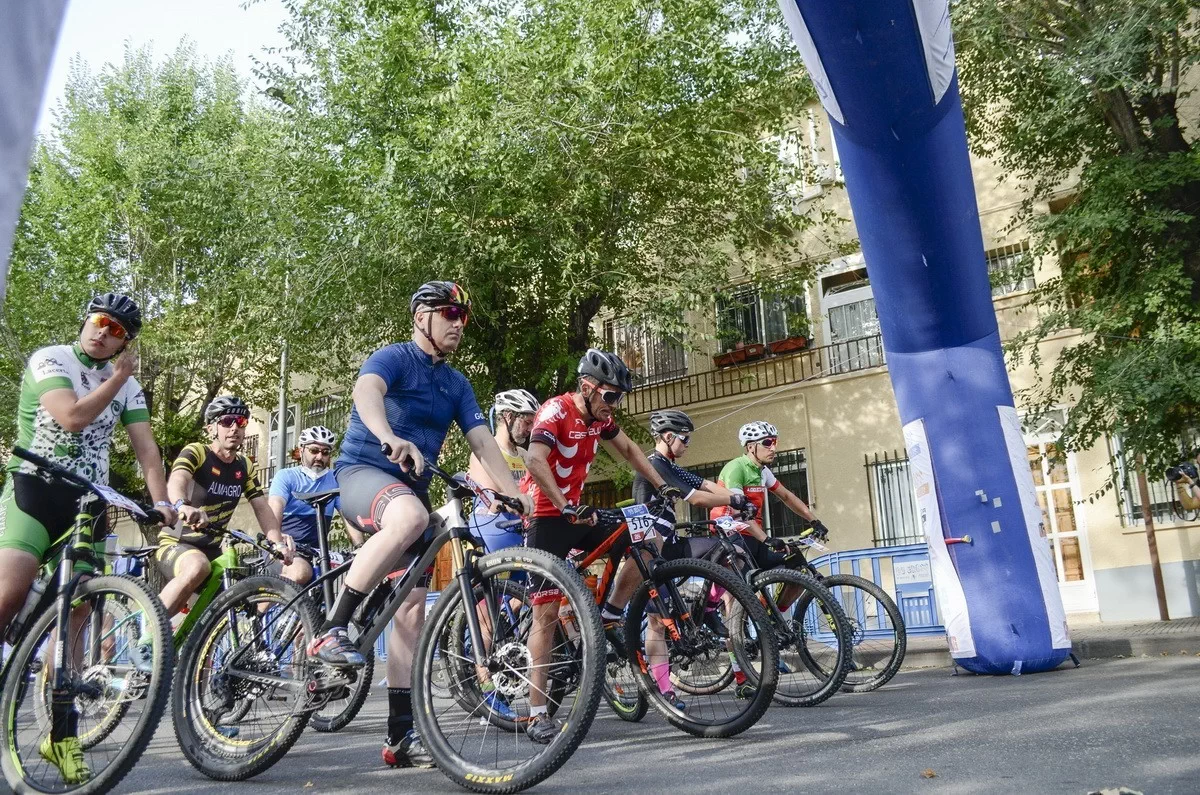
(851, 323)
(893, 506)
(749, 317)
(331, 411)
(791, 468)
(800, 148)
(1164, 502)
(1010, 269)
(651, 356)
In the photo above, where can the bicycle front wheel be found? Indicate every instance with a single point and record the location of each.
(247, 648)
(529, 654)
(878, 638)
(698, 658)
(813, 655)
(114, 698)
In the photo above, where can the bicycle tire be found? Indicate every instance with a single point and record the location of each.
(625, 698)
(587, 690)
(327, 722)
(157, 690)
(828, 674)
(692, 720)
(869, 669)
(217, 757)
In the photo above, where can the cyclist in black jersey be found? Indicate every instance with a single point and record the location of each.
(672, 433)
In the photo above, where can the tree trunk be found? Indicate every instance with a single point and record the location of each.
(1160, 589)
(579, 333)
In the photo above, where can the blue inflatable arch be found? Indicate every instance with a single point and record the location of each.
(884, 72)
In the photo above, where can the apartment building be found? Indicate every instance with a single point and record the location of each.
(815, 366)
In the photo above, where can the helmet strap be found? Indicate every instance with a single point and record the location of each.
(587, 402)
(417, 325)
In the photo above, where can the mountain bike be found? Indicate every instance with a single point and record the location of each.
(270, 665)
(814, 665)
(84, 682)
(661, 629)
(878, 638)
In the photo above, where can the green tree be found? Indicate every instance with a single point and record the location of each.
(164, 182)
(557, 157)
(1088, 95)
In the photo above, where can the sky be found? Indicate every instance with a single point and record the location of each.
(98, 30)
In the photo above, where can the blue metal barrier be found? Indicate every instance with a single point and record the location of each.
(911, 586)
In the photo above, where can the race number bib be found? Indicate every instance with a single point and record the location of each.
(639, 521)
(118, 500)
(728, 526)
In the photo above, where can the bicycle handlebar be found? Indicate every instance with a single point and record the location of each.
(460, 489)
(46, 467)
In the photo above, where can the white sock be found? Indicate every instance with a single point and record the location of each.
(535, 711)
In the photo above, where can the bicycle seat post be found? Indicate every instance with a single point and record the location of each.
(323, 553)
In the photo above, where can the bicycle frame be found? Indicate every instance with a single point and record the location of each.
(454, 532)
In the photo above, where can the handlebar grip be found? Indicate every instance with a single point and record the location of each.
(515, 504)
(153, 516)
(386, 449)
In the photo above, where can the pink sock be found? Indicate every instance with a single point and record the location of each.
(714, 595)
(662, 675)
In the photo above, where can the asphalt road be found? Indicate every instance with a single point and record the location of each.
(1112, 723)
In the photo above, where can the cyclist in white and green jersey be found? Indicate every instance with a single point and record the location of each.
(72, 399)
(750, 475)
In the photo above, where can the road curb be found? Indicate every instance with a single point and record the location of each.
(1085, 649)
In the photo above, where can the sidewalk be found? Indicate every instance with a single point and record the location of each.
(1089, 640)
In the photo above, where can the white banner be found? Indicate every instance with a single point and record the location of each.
(1018, 458)
(952, 602)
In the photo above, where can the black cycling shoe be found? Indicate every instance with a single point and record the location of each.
(714, 622)
(614, 631)
(542, 729)
(408, 752)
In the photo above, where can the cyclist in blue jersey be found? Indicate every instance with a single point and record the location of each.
(297, 518)
(405, 397)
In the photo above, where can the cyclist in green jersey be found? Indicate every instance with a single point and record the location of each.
(72, 399)
(751, 475)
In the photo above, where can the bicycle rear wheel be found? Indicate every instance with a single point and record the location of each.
(118, 705)
(701, 657)
(469, 743)
(878, 638)
(245, 648)
(813, 656)
(621, 689)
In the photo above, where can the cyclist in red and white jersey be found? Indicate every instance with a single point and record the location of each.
(565, 437)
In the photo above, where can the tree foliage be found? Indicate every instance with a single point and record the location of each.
(1083, 100)
(557, 157)
(163, 182)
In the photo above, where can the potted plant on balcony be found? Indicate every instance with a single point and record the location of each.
(797, 338)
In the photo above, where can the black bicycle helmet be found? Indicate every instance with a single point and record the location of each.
(120, 307)
(435, 294)
(607, 368)
(224, 405)
(670, 420)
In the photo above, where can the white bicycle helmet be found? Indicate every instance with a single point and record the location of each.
(318, 434)
(518, 400)
(756, 431)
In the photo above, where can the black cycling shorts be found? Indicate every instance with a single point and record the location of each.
(366, 492)
(556, 535)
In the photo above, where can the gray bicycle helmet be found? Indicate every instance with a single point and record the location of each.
(121, 307)
(226, 405)
(607, 368)
(670, 420)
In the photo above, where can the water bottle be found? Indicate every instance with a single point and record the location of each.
(16, 629)
(566, 617)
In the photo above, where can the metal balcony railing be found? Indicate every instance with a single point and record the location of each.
(848, 356)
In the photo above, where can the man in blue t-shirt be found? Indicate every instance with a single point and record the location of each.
(298, 518)
(406, 396)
